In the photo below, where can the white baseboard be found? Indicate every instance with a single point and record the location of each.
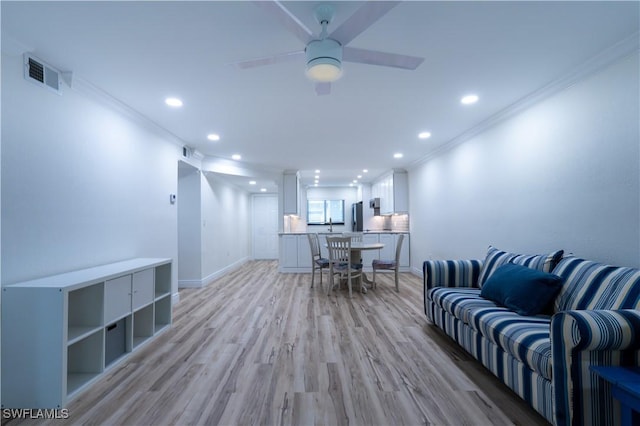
(209, 278)
(175, 298)
(416, 271)
(189, 283)
(235, 265)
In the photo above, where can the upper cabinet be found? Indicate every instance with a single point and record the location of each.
(291, 193)
(393, 190)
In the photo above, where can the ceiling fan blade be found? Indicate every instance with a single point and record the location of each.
(323, 89)
(286, 19)
(364, 17)
(373, 57)
(269, 60)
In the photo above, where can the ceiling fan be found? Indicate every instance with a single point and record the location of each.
(325, 52)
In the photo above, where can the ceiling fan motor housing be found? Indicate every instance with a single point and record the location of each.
(326, 52)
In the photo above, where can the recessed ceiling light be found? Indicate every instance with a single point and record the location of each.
(213, 137)
(316, 181)
(469, 99)
(236, 156)
(252, 182)
(424, 135)
(397, 155)
(316, 177)
(315, 184)
(355, 181)
(317, 171)
(359, 176)
(263, 189)
(173, 102)
(365, 171)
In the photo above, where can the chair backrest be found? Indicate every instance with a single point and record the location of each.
(314, 244)
(339, 249)
(399, 248)
(355, 236)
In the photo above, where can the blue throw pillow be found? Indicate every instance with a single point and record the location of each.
(524, 290)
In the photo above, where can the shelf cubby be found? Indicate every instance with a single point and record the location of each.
(163, 280)
(117, 342)
(84, 361)
(85, 311)
(162, 313)
(143, 325)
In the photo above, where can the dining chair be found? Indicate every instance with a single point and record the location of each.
(340, 262)
(393, 265)
(317, 261)
(355, 236)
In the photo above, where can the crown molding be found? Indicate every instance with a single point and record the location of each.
(605, 58)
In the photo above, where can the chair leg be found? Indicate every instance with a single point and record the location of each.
(350, 293)
(397, 288)
(313, 274)
(373, 283)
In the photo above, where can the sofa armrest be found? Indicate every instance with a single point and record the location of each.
(580, 339)
(451, 273)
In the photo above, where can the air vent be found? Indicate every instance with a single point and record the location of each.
(187, 152)
(40, 73)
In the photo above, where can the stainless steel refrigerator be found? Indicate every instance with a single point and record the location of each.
(356, 217)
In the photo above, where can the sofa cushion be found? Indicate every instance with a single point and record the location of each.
(525, 338)
(592, 285)
(521, 289)
(459, 301)
(496, 258)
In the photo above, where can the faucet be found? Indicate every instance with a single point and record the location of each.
(330, 225)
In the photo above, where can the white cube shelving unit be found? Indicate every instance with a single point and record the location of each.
(60, 333)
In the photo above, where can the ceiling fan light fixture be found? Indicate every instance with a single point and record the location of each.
(324, 72)
(324, 60)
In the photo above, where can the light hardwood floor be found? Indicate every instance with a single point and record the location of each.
(260, 347)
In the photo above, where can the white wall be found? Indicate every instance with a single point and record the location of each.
(82, 184)
(562, 174)
(226, 226)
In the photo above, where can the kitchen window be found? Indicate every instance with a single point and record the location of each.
(323, 212)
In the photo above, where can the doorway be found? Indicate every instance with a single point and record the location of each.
(264, 218)
(189, 236)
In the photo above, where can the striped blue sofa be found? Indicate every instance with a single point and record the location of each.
(544, 358)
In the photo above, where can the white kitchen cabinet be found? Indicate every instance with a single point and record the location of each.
(369, 255)
(304, 252)
(389, 249)
(60, 333)
(288, 251)
(291, 194)
(393, 190)
(295, 254)
(405, 258)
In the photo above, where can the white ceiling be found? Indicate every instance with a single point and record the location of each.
(142, 52)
